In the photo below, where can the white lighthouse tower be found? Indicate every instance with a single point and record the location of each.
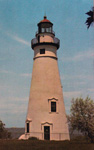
(46, 117)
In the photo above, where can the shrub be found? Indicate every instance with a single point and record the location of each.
(33, 138)
(4, 134)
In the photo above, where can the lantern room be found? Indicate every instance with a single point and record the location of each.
(45, 35)
(45, 26)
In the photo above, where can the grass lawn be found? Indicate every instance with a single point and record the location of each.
(45, 145)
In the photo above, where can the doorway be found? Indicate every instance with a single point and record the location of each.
(46, 132)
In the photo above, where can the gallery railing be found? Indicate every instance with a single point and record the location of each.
(55, 41)
(40, 135)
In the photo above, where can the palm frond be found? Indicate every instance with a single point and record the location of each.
(90, 13)
(90, 19)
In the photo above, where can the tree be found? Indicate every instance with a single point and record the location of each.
(4, 134)
(82, 117)
(90, 19)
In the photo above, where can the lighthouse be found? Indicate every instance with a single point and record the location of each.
(46, 117)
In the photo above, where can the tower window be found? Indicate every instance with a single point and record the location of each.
(42, 51)
(27, 127)
(53, 106)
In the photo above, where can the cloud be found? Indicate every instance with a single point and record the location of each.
(20, 40)
(16, 38)
(13, 100)
(72, 94)
(77, 77)
(84, 55)
(5, 71)
(13, 108)
(68, 97)
(91, 90)
(14, 105)
(18, 99)
(26, 75)
(80, 56)
(10, 72)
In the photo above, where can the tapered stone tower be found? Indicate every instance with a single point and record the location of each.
(46, 117)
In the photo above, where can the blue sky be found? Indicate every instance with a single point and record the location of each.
(18, 24)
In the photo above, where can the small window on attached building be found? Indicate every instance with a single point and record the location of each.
(53, 106)
(27, 127)
(42, 51)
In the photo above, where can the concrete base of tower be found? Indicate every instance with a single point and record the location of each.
(42, 136)
(22, 137)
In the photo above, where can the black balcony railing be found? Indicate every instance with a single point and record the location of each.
(55, 42)
(41, 135)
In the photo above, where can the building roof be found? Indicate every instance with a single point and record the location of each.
(45, 20)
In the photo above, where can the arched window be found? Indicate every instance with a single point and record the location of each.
(53, 105)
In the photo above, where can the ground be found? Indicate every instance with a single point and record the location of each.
(45, 145)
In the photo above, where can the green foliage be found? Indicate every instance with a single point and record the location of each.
(82, 116)
(4, 134)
